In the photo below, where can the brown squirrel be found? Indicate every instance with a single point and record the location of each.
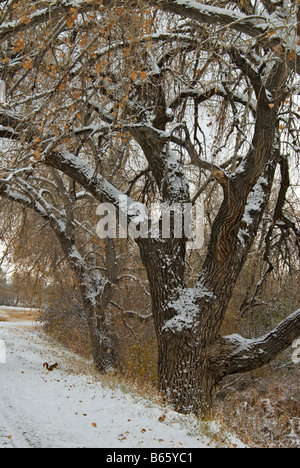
(50, 368)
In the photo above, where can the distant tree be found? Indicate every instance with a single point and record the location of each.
(50, 198)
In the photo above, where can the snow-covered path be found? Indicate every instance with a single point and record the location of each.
(68, 409)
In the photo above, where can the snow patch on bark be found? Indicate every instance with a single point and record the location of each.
(187, 309)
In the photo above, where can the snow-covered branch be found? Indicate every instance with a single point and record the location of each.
(235, 354)
(52, 12)
(11, 121)
(200, 96)
(263, 27)
(25, 194)
(86, 176)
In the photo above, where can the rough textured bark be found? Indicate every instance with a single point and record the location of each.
(182, 361)
(96, 293)
(104, 350)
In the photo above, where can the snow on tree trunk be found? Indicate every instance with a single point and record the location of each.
(104, 351)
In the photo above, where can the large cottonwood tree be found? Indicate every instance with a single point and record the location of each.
(115, 88)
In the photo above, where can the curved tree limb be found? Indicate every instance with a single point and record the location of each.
(259, 27)
(235, 354)
(53, 12)
(215, 15)
(89, 179)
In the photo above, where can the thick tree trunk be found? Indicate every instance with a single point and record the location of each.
(182, 352)
(183, 373)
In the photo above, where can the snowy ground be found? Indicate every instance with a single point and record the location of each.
(70, 409)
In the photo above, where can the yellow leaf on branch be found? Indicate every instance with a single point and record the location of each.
(19, 45)
(25, 20)
(28, 64)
